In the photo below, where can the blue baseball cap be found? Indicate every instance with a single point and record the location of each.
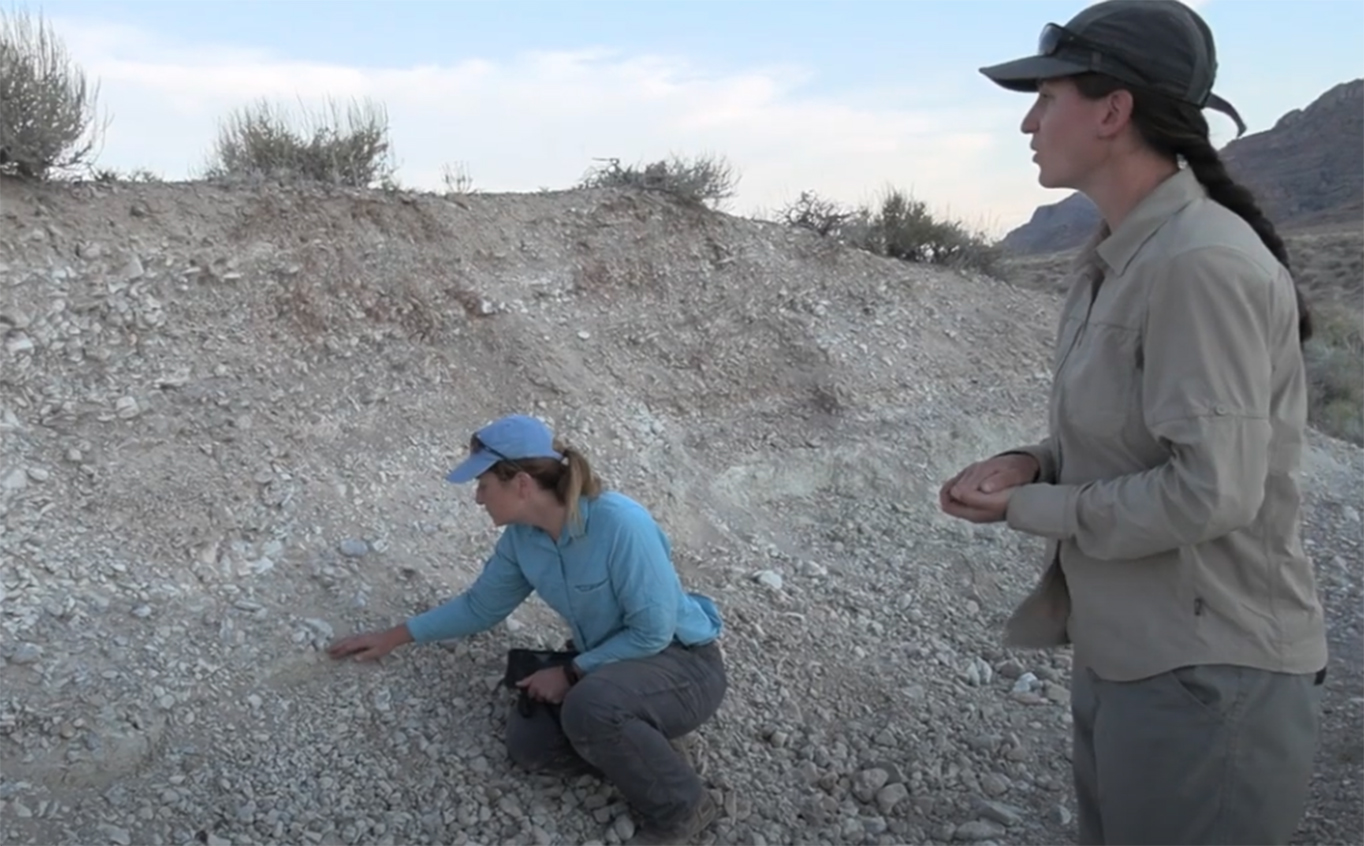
(509, 438)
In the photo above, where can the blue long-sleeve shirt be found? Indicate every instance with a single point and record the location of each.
(612, 580)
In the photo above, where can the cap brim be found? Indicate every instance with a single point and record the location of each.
(1024, 74)
(471, 468)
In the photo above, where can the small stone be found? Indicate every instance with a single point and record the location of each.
(38, 474)
(890, 796)
(1061, 815)
(624, 828)
(1010, 670)
(769, 579)
(26, 653)
(352, 548)
(1351, 513)
(119, 836)
(995, 784)
(1006, 815)
(126, 407)
(1026, 683)
(142, 612)
(978, 830)
(20, 343)
(15, 480)
(868, 782)
(584, 335)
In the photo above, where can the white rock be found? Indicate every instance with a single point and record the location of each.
(769, 578)
(15, 480)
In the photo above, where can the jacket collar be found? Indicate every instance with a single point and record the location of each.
(1169, 197)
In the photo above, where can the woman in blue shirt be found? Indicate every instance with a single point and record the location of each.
(649, 667)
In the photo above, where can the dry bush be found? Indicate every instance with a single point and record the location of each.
(707, 179)
(901, 228)
(47, 107)
(263, 141)
(1335, 370)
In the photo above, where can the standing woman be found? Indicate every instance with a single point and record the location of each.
(1168, 486)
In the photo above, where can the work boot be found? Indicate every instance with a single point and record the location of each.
(705, 814)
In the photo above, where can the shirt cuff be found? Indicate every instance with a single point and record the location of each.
(1045, 510)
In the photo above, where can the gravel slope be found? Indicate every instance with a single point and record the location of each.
(225, 417)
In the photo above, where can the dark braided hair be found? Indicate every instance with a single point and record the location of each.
(1179, 130)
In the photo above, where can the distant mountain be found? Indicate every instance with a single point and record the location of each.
(1306, 170)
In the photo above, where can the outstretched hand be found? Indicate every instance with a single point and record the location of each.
(370, 646)
(981, 492)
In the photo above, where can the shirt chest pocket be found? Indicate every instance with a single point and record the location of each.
(587, 578)
(1101, 381)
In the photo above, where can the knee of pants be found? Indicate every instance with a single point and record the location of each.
(591, 709)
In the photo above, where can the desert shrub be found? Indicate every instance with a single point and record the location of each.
(456, 179)
(47, 107)
(707, 180)
(350, 149)
(899, 227)
(812, 212)
(1335, 371)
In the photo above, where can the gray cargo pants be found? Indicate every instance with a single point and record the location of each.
(1198, 755)
(617, 722)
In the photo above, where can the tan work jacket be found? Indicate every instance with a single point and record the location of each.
(1169, 483)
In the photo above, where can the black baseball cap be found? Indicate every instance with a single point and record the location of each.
(1160, 45)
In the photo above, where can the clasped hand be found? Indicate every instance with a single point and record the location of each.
(548, 685)
(982, 491)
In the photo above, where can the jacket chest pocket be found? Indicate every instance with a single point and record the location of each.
(1101, 380)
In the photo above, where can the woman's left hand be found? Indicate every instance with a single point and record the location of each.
(547, 685)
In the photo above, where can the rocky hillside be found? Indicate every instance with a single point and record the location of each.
(1305, 170)
(225, 416)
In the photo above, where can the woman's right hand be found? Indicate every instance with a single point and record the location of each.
(370, 646)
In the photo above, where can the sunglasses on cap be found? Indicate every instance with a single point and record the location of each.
(476, 445)
(1056, 38)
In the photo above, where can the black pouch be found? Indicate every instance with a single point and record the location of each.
(523, 662)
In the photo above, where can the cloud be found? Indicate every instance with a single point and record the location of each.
(540, 118)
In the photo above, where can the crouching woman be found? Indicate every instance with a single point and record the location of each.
(649, 669)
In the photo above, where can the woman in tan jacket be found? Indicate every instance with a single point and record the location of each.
(1167, 488)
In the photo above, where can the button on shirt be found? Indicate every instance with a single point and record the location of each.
(611, 578)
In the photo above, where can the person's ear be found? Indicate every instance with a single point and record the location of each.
(1116, 114)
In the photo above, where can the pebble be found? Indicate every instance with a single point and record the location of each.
(352, 548)
(26, 653)
(1005, 815)
(15, 480)
(977, 830)
(769, 579)
(888, 797)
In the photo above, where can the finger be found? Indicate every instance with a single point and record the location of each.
(995, 482)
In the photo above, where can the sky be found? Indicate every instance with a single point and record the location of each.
(842, 98)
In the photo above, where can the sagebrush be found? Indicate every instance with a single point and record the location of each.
(1335, 372)
(349, 147)
(899, 227)
(705, 179)
(48, 108)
